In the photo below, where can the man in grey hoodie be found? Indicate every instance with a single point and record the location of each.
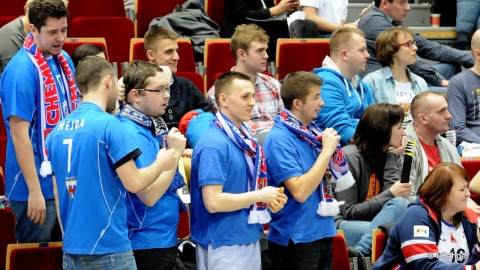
(463, 98)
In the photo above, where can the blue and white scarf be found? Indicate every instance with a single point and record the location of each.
(130, 112)
(342, 176)
(256, 165)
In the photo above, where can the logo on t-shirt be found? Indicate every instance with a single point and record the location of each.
(420, 231)
(71, 187)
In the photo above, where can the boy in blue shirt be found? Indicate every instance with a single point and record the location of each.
(298, 153)
(230, 195)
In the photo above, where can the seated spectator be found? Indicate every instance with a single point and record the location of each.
(391, 13)
(328, 15)
(237, 12)
(430, 119)
(437, 231)
(344, 93)
(12, 36)
(468, 12)
(161, 48)
(378, 197)
(248, 46)
(85, 50)
(394, 83)
(463, 99)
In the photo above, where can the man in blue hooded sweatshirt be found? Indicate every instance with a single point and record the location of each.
(344, 93)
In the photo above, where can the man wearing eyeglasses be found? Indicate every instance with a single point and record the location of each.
(153, 213)
(391, 13)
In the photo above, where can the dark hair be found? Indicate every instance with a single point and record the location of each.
(90, 71)
(225, 80)
(374, 131)
(437, 185)
(377, 2)
(136, 74)
(40, 10)
(386, 44)
(296, 85)
(85, 50)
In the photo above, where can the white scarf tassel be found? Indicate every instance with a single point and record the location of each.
(45, 168)
(326, 209)
(344, 182)
(259, 216)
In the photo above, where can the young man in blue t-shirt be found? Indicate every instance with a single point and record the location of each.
(153, 213)
(37, 90)
(230, 195)
(300, 237)
(92, 159)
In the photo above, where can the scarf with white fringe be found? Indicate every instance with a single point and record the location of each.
(256, 165)
(50, 109)
(342, 176)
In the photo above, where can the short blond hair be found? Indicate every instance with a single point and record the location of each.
(155, 34)
(244, 35)
(341, 38)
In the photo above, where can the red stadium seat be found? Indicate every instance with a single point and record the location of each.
(287, 59)
(95, 8)
(7, 235)
(12, 8)
(215, 47)
(215, 10)
(379, 243)
(340, 260)
(472, 167)
(39, 256)
(117, 31)
(147, 10)
(195, 78)
(72, 43)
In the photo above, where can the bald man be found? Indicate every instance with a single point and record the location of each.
(430, 119)
(463, 98)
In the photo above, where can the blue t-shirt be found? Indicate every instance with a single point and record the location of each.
(85, 149)
(217, 160)
(289, 156)
(19, 87)
(156, 226)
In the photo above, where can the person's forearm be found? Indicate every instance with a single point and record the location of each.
(155, 191)
(57, 204)
(302, 187)
(322, 24)
(25, 157)
(228, 202)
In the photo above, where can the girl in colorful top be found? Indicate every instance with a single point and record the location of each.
(394, 83)
(437, 231)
